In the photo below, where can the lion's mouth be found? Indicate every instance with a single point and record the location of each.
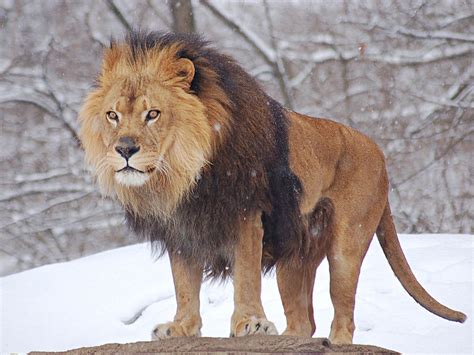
(130, 176)
(129, 168)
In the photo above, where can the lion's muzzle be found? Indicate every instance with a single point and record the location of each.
(126, 147)
(129, 175)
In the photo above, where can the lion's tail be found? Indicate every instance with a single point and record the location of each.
(388, 239)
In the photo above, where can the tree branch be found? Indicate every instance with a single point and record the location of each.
(118, 14)
(279, 68)
(269, 55)
(436, 158)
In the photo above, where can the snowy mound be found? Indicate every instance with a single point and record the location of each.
(118, 296)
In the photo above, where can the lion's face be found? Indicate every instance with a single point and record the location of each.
(144, 129)
(140, 130)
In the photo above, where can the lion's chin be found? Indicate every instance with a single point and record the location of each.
(131, 178)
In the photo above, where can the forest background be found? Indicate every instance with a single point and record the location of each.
(400, 71)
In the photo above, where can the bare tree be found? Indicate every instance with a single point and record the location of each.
(183, 17)
(399, 71)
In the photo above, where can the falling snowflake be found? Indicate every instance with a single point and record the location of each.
(217, 126)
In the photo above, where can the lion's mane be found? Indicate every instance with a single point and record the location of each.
(248, 168)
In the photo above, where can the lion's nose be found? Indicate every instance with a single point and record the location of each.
(126, 147)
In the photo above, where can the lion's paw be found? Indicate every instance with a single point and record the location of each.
(172, 330)
(254, 325)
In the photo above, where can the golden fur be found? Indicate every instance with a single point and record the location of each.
(178, 149)
(342, 196)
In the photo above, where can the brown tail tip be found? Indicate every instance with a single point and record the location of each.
(460, 317)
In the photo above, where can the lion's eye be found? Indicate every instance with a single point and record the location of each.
(112, 116)
(152, 115)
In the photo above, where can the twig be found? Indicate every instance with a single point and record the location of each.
(116, 11)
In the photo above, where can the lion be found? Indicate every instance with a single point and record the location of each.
(228, 182)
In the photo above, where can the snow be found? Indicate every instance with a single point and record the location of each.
(119, 295)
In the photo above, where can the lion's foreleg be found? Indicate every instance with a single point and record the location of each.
(249, 317)
(187, 277)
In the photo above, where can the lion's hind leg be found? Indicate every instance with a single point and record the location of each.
(187, 277)
(296, 282)
(352, 234)
(296, 291)
(344, 268)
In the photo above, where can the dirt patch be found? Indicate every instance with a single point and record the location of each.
(260, 344)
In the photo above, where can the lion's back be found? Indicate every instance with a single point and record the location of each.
(324, 152)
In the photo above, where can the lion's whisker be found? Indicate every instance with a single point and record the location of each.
(101, 166)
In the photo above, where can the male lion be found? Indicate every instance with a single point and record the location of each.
(227, 181)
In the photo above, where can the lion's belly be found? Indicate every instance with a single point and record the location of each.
(207, 240)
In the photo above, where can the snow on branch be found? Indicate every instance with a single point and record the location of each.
(398, 57)
(267, 53)
(428, 35)
(270, 55)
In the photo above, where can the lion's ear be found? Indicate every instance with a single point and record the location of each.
(185, 70)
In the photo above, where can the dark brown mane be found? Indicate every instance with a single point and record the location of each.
(249, 170)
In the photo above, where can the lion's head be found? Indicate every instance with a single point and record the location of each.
(146, 129)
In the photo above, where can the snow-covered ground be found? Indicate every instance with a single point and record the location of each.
(119, 295)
